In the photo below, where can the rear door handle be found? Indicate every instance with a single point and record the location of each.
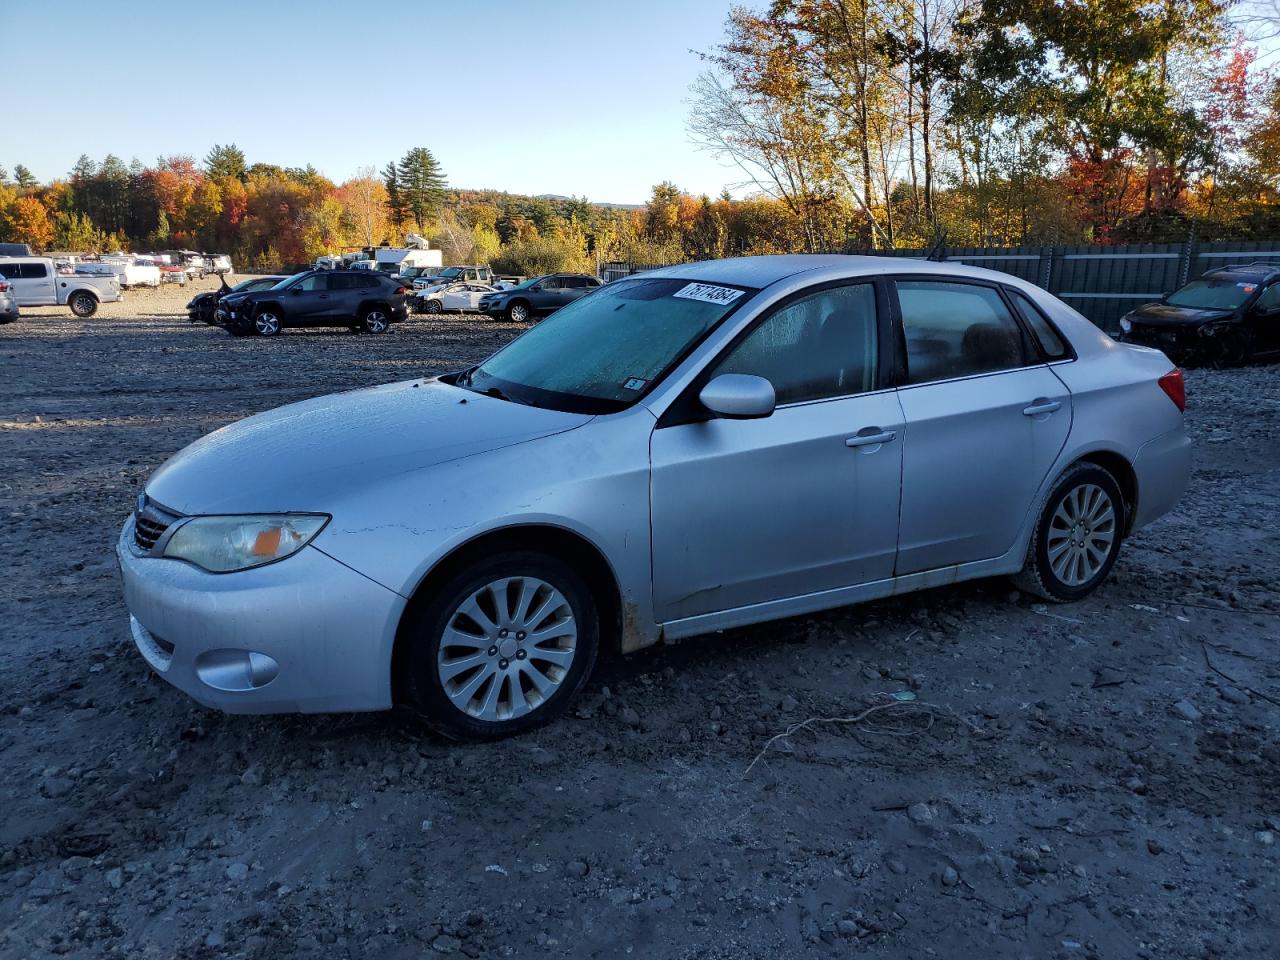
(864, 439)
(1041, 405)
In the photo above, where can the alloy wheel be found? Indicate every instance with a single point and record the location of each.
(1081, 534)
(267, 324)
(507, 648)
(519, 313)
(375, 321)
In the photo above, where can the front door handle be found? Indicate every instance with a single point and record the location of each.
(1041, 405)
(864, 439)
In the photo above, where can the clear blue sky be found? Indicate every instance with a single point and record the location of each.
(591, 95)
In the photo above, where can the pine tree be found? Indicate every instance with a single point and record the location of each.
(396, 210)
(228, 161)
(421, 184)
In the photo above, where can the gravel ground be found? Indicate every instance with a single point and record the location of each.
(1093, 780)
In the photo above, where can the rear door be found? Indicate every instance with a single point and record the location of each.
(985, 421)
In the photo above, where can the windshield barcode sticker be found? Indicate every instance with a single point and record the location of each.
(708, 293)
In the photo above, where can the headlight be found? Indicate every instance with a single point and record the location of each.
(1126, 325)
(224, 544)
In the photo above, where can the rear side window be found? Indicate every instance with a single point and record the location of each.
(820, 346)
(32, 271)
(1050, 341)
(957, 330)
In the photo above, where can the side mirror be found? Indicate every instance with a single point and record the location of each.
(739, 396)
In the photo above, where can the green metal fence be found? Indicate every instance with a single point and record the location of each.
(1103, 283)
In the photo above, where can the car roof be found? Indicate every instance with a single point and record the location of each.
(1258, 270)
(765, 270)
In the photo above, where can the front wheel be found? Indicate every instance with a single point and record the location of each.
(518, 313)
(502, 647)
(1077, 537)
(83, 304)
(267, 323)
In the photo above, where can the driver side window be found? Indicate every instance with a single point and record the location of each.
(820, 346)
(1270, 299)
(317, 281)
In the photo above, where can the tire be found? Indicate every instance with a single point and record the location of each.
(478, 701)
(375, 320)
(1067, 561)
(267, 322)
(433, 307)
(519, 312)
(83, 304)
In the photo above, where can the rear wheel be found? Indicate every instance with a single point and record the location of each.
(503, 646)
(375, 320)
(83, 304)
(1077, 537)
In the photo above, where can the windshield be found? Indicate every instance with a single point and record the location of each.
(449, 273)
(602, 352)
(530, 282)
(1222, 294)
(285, 282)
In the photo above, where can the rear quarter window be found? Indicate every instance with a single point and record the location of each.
(1051, 342)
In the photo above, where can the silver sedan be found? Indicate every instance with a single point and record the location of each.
(688, 450)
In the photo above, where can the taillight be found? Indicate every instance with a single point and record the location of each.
(3, 286)
(1175, 388)
(400, 291)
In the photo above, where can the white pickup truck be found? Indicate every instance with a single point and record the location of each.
(37, 283)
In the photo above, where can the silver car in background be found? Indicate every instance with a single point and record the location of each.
(692, 449)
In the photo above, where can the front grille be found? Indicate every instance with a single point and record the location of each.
(149, 524)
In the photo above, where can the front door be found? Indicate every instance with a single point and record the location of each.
(985, 422)
(33, 285)
(309, 300)
(804, 500)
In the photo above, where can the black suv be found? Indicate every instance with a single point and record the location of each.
(538, 296)
(1230, 315)
(359, 299)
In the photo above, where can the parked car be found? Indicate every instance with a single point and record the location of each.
(36, 282)
(360, 299)
(1229, 315)
(220, 264)
(132, 272)
(473, 273)
(538, 296)
(171, 273)
(698, 448)
(202, 308)
(8, 302)
(461, 297)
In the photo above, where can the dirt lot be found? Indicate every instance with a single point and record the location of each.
(1096, 780)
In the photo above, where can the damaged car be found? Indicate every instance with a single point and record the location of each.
(1227, 317)
(693, 449)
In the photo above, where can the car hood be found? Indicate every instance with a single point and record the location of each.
(1166, 314)
(307, 456)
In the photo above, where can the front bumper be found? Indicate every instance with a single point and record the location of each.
(1176, 342)
(303, 635)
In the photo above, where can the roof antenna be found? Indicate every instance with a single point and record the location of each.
(938, 252)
